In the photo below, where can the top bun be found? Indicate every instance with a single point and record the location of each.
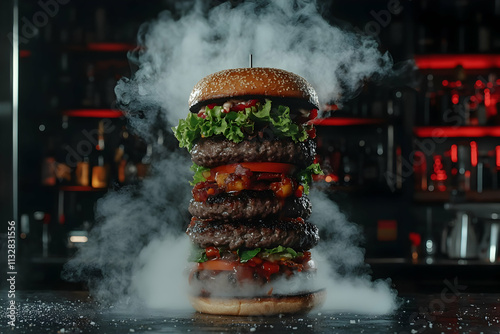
(253, 82)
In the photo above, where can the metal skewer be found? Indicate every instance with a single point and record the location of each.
(250, 59)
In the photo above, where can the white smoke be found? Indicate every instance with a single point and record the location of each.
(138, 244)
(291, 35)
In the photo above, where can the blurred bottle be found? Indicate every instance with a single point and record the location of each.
(100, 168)
(495, 33)
(145, 163)
(65, 94)
(49, 164)
(82, 172)
(431, 108)
(349, 166)
(483, 34)
(122, 159)
(420, 171)
(100, 25)
(370, 168)
(91, 97)
(426, 28)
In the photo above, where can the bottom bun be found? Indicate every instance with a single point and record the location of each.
(268, 305)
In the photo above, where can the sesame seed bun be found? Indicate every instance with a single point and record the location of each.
(253, 82)
(258, 306)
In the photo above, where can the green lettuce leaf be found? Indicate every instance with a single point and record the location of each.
(305, 176)
(249, 254)
(197, 255)
(236, 125)
(198, 174)
(271, 254)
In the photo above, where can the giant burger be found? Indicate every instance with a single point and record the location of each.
(253, 152)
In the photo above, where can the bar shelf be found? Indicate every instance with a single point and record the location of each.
(457, 131)
(93, 113)
(451, 61)
(487, 196)
(347, 121)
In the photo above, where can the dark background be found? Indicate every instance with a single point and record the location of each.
(75, 59)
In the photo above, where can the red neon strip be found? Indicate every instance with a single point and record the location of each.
(497, 150)
(473, 153)
(97, 113)
(454, 153)
(24, 53)
(457, 131)
(468, 61)
(112, 47)
(345, 121)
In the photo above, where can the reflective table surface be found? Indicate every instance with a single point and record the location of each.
(75, 312)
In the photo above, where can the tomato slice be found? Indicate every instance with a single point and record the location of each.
(218, 265)
(267, 167)
(212, 252)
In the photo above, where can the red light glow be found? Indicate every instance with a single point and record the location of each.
(455, 98)
(24, 53)
(445, 83)
(497, 160)
(345, 121)
(97, 113)
(454, 153)
(487, 97)
(457, 131)
(110, 47)
(473, 153)
(415, 238)
(468, 61)
(439, 174)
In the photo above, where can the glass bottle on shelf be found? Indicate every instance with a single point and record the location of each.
(370, 169)
(49, 164)
(82, 172)
(431, 108)
(349, 166)
(122, 159)
(145, 163)
(99, 165)
(483, 34)
(65, 97)
(91, 97)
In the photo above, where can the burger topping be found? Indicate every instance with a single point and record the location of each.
(236, 125)
(279, 184)
(252, 176)
(279, 253)
(255, 263)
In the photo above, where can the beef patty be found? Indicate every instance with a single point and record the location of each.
(250, 205)
(295, 233)
(215, 151)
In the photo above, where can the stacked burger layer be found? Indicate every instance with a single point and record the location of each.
(253, 155)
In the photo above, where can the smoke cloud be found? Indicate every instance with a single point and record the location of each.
(138, 246)
(291, 35)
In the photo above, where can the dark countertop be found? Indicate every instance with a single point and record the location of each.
(74, 312)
